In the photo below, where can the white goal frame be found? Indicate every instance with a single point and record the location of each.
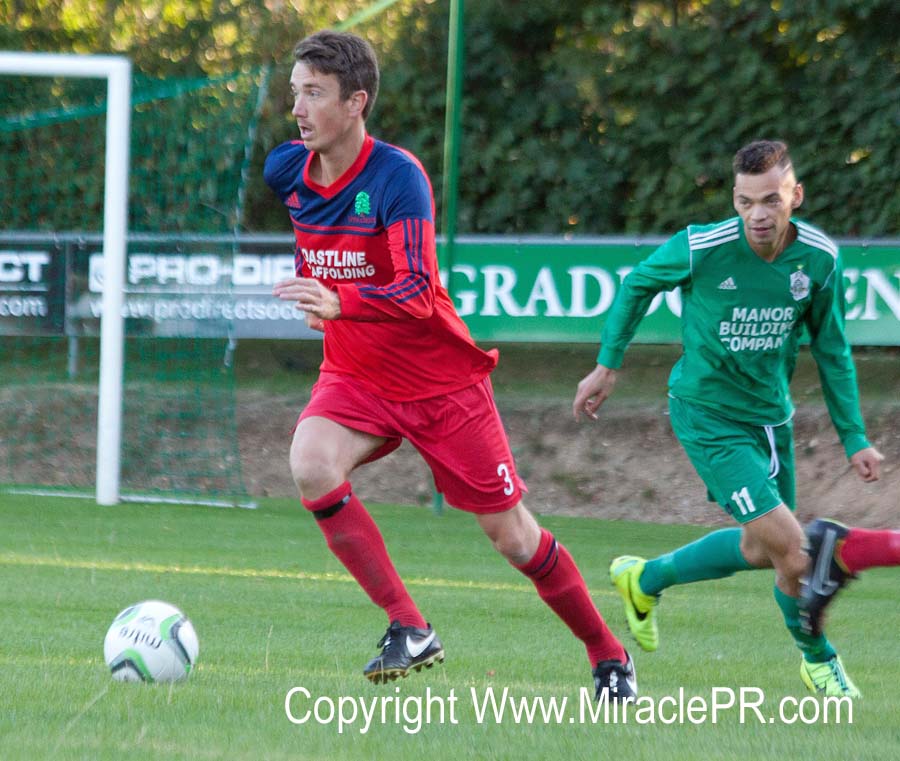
(116, 70)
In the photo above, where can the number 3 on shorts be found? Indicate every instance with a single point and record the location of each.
(742, 500)
(503, 472)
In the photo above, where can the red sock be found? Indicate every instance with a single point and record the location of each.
(356, 541)
(863, 548)
(560, 584)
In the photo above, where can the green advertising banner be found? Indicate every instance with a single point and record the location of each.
(506, 289)
(550, 289)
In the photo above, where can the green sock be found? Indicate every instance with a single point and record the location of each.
(713, 556)
(814, 649)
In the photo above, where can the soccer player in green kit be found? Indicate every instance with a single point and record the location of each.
(750, 285)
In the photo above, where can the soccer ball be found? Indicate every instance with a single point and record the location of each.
(151, 642)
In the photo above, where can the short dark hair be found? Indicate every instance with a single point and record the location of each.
(760, 156)
(350, 58)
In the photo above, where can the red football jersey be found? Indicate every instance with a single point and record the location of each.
(370, 237)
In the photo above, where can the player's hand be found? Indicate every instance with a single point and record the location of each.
(315, 323)
(867, 463)
(311, 296)
(593, 391)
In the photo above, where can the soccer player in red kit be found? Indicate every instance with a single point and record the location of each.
(398, 362)
(837, 554)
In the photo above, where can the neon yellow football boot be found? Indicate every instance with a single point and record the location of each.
(828, 678)
(640, 608)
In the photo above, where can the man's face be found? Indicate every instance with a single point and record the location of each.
(322, 116)
(765, 202)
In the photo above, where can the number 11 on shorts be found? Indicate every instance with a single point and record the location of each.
(742, 500)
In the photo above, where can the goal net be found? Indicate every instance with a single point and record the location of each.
(190, 143)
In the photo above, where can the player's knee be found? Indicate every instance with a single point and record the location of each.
(754, 552)
(515, 551)
(516, 540)
(792, 565)
(514, 548)
(313, 473)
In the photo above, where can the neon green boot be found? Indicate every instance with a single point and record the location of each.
(828, 678)
(640, 608)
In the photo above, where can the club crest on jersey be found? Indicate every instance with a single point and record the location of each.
(362, 205)
(799, 285)
(362, 210)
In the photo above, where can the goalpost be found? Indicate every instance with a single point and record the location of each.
(116, 70)
(122, 199)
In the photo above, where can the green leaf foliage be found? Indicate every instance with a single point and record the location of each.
(577, 117)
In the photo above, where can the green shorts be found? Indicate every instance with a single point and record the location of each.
(747, 469)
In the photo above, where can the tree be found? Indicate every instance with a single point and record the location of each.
(578, 117)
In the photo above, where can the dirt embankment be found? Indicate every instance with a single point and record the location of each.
(628, 465)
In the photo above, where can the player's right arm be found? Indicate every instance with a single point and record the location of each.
(592, 391)
(666, 268)
(282, 167)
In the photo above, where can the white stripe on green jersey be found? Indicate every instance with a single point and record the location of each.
(741, 321)
(813, 237)
(721, 233)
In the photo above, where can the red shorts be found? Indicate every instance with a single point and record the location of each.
(460, 435)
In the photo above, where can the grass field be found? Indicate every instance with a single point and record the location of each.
(274, 612)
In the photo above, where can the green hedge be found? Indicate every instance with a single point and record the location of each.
(623, 117)
(578, 116)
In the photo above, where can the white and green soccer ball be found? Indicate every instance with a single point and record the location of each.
(152, 641)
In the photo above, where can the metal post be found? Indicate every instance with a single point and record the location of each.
(455, 71)
(452, 119)
(72, 358)
(112, 325)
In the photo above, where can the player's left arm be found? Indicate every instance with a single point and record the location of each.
(409, 222)
(834, 360)
(410, 295)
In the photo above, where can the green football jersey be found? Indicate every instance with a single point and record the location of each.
(741, 321)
